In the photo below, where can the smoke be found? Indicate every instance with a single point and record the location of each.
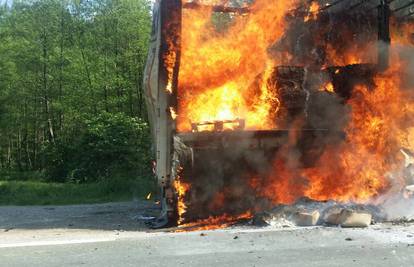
(320, 43)
(406, 53)
(398, 203)
(398, 208)
(322, 148)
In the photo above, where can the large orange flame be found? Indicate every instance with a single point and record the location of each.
(218, 68)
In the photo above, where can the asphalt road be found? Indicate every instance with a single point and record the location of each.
(379, 245)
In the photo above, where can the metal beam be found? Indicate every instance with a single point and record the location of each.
(359, 4)
(408, 15)
(383, 35)
(403, 7)
(331, 5)
(220, 9)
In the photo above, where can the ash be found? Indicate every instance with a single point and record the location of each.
(307, 212)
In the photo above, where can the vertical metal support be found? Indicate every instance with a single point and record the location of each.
(175, 32)
(171, 20)
(384, 38)
(170, 13)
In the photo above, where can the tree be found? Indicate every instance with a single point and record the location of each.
(62, 63)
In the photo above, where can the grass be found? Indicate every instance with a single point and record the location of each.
(42, 193)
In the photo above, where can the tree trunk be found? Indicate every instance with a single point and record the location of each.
(46, 100)
(62, 25)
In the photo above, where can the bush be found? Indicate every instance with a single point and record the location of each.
(105, 146)
(16, 175)
(41, 193)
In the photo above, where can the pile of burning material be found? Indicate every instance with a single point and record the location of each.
(307, 212)
(310, 213)
(292, 100)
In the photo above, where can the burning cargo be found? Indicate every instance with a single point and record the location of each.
(255, 104)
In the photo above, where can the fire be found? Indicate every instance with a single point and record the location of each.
(359, 169)
(313, 12)
(181, 189)
(328, 87)
(223, 103)
(377, 130)
(226, 78)
(213, 223)
(170, 60)
(219, 68)
(173, 113)
(352, 56)
(403, 34)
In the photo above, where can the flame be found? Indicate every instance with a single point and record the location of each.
(313, 12)
(149, 196)
(359, 169)
(218, 69)
(223, 103)
(377, 130)
(339, 58)
(181, 190)
(328, 87)
(402, 34)
(226, 75)
(215, 222)
(173, 113)
(170, 61)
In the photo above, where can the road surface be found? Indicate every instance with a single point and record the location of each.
(73, 236)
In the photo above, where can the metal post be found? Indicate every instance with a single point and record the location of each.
(384, 38)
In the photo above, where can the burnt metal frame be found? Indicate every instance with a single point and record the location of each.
(170, 27)
(404, 6)
(384, 36)
(384, 13)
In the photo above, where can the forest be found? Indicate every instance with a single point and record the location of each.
(71, 94)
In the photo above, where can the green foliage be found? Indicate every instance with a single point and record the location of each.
(16, 175)
(40, 193)
(71, 96)
(99, 148)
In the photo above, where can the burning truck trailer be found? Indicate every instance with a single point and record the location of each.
(302, 108)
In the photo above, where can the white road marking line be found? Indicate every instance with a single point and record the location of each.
(55, 242)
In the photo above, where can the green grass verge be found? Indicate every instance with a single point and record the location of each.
(41, 193)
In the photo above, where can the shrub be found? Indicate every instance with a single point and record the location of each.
(98, 148)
